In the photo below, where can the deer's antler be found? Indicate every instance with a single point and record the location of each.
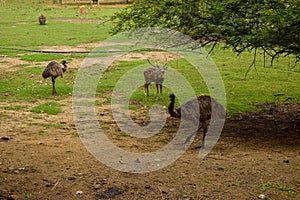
(166, 61)
(148, 59)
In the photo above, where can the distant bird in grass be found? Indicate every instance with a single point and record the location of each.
(54, 70)
(42, 19)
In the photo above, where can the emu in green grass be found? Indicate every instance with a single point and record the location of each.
(42, 19)
(54, 70)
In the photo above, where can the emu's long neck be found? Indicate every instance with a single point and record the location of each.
(65, 67)
(171, 110)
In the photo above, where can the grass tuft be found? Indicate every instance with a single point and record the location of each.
(271, 185)
(17, 107)
(51, 108)
(41, 57)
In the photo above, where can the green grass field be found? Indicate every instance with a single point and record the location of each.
(19, 28)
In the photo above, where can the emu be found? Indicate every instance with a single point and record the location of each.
(54, 70)
(207, 107)
(42, 19)
(154, 75)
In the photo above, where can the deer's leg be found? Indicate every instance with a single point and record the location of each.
(160, 89)
(146, 90)
(53, 86)
(156, 90)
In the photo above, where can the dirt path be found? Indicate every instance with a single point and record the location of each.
(43, 158)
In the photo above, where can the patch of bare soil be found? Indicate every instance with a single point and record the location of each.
(11, 64)
(43, 158)
(155, 57)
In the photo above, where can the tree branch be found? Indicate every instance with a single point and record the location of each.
(252, 64)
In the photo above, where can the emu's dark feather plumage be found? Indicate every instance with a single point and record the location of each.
(208, 107)
(42, 19)
(54, 70)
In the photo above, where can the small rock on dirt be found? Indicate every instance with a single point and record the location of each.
(4, 138)
(71, 178)
(109, 193)
(147, 186)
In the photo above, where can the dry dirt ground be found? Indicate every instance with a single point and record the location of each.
(257, 156)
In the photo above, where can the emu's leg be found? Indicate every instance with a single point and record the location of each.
(188, 139)
(204, 126)
(204, 135)
(53, 86)
(201, 125)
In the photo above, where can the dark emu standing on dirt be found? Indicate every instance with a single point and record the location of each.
(207, 107)
(42, 19)
(54, 70)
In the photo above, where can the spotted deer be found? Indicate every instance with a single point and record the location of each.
(154, 75)
(83, 10)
